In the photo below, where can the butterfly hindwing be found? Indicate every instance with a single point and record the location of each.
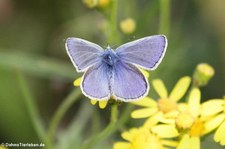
(95, 82)
(145, 52)
(82, 53)
(128, 82)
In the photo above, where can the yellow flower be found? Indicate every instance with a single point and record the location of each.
(166, 106)
(188, 142)
(90, 3)
(2, 147)
(96, 3)
(142, 138)
(102, 103)
(128, 25)
(103, 3)
(188, 123)
(195, 125)
(215, 108)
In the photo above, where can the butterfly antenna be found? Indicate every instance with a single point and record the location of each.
(114, 46)
(131, 38)
(105, 47)
(110, 47)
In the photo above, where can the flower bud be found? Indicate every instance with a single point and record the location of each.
(184, 121)
(90, 3)
(203, 73)
(103, 3)
(128, 26)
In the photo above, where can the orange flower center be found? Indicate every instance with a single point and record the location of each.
(197, 129)
(167, 105)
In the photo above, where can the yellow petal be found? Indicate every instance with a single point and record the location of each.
(211, 124)
(150, 122)
(184, 142)
(160, 88)
(128, 135)
(146, 73)
(182, 107)
(93, 102)
(77, 81)
(165, 120)
(143, 113)
(172, 114)
(170, 143)
(220, 134)
(194, 102)
(102, 104)
(212, 107)
(121, 145)
(180, 88)
(165, 131)
(146, 102)
(195, 142)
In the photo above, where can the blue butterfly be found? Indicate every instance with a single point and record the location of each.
(116, 74)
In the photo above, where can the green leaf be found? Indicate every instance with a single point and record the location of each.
(38, 65)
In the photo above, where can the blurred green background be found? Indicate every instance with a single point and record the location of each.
(32, 38)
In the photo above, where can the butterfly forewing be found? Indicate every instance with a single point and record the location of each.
(82, 53)
(145, 52)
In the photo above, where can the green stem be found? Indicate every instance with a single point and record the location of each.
(113, 34)
(124, 117)
(67, 103)
(106, 132)
(112, 127)
(31, 107)
(164, 25)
